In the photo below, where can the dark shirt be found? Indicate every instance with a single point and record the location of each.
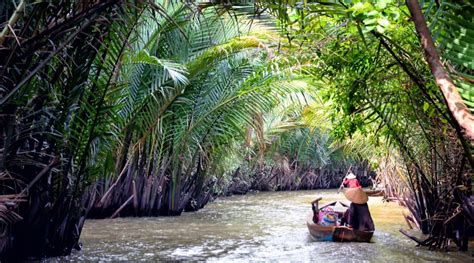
(358, 216)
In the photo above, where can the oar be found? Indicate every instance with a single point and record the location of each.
(342, 183)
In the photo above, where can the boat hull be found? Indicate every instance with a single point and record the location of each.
(336, 233)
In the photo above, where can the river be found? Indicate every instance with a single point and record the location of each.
(267, 226)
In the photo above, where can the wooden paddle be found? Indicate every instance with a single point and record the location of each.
(342, 183)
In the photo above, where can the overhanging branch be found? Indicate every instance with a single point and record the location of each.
(453, 99)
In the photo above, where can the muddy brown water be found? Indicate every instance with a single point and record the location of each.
(266, 226)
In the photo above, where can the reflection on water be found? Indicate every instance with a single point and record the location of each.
(261, 226)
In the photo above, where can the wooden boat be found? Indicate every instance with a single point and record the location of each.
(335, 233)
(374, 192)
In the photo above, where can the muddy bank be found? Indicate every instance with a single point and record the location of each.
(277, 179)
(142, 195)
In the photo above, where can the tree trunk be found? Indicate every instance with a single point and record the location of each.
(455, 103)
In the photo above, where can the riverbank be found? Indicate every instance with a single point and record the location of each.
(274, 179)
(260, 226)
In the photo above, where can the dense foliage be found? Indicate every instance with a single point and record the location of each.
(379, 85)
(121, 108)
(118, 108)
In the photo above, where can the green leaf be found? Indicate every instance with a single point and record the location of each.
(380, 29)
(426, 106)
(381, 4)
(383, 22)
(368, 29)
(369, 21)
(373, 13)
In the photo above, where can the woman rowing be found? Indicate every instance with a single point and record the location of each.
(358, 215)
(351, 181)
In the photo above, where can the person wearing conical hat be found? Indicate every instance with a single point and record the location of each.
(351, 181)
(358, 215)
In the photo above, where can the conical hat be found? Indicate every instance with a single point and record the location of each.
(356, 195)
(351, 176)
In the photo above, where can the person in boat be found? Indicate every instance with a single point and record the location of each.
(358, 215)
(351, 181)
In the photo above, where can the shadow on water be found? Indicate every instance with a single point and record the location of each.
(257, 227)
